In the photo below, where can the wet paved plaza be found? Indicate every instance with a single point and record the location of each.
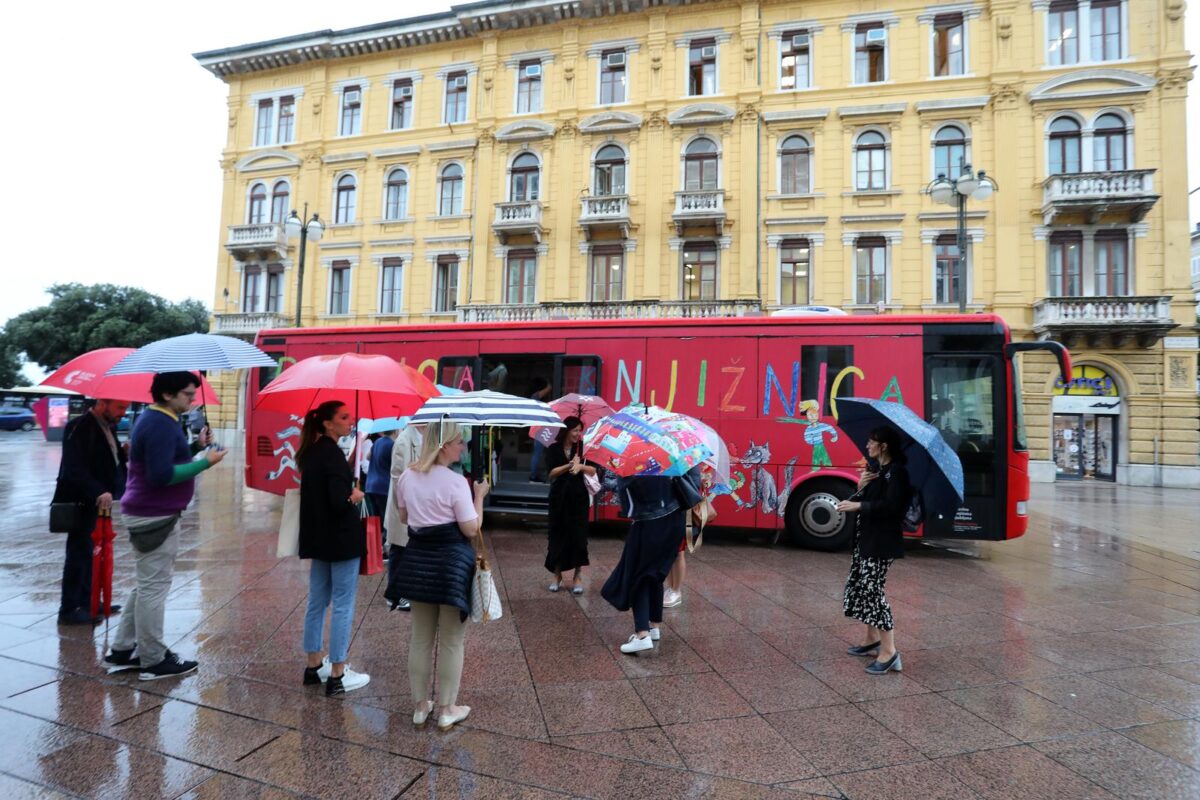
(1062, 665)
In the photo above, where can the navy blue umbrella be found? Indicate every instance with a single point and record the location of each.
(933, 466)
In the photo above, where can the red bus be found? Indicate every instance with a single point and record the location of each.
(769, 385)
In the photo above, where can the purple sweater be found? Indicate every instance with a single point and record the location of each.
(156, 445)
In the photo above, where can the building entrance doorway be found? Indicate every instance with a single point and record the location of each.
(1085, 446)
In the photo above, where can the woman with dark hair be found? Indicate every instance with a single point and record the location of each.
(332, 535)
(884, 494)
(567, 548)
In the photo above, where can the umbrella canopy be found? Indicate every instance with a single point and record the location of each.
(719, 460)
(630, 444)
(193, 351)
(933, 466)
(382, 425)
(585, 406)
(377, 385)
(86, 374)
(487, 408)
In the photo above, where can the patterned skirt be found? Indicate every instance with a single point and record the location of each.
(864, 599)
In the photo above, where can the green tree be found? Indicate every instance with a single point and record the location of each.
(81, 318)
(10, 364)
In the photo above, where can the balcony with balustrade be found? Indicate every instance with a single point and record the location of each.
(706, 207)
(247, 325)
(607, 212)
(523, 218)
(1104, 321)
(265, 241)
(616, 309)
(1092, 194)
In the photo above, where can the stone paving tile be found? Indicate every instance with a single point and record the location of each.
(922, 781)
(782, 689)
(572, 664)
(13, 788)
(1154, 686)
(441, 782)
(1124, 767)
(842, 738)
(935, 726)
(650, 745)
(813, 788)
(1184, 670)
(943, 669)
(83, 703)
(738, 652)
(198, 734)
(671, 656)
(230, 787)
(592, 707)
(848, 677)
(807, 644)
(1020, 773)
(1021, 713)
(1179, 739)
(744, 748)
(674, 699)
(1098, 701)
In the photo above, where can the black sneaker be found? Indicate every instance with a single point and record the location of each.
(169, 667)
(121, 661)
(311, 676)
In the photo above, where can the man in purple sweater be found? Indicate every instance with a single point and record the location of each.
(162, 477)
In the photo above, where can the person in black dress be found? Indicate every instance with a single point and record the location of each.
(569, 502)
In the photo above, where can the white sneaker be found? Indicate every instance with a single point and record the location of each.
(655, 634)
(636, 645)
(349, 681)
(672, 598)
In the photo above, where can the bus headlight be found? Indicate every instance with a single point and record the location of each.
(1022, 508)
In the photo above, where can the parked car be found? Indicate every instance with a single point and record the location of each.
(14, 418)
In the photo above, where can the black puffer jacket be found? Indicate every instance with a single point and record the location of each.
(437, 567)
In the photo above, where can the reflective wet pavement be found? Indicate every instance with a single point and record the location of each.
(1064, 665)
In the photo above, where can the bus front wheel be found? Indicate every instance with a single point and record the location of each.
(813, 522)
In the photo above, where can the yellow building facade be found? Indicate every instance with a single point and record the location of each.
(534, 159)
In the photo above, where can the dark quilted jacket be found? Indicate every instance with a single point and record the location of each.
(437, 567)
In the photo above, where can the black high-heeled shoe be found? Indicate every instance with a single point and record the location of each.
(864, 650)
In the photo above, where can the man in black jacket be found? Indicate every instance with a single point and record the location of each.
(92, 472)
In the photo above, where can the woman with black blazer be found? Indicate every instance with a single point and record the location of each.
(332, 535)
(884, 496)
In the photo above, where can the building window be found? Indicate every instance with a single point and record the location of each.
(346, 200)
(1111, 264)
(870, 161)
(252, 280)
(523, 179)
(456, 97)
(275, 289)
(264, 125)
(402, 104)
(700, 271)
(1106, 30)
(795, 61)
(870, 270)
(287, 120)
(445, 286)
(275, 120)
(257, 211)
(870, 53)
(1065, 140)
(389, 285)
(1066, 268)
(795, 157)
(529, 87)
(609, 171)
(945, 269)
(702, 67)
(396, 200)
(949, 151)
(339, 288)
(351, 124)
(1062, 33)
(949, 54)
(607, 277)
(279, 201)
(520, 277)
(700, 166)
(450, 191)
(795, 261)
(612, 76)
(1109, 144)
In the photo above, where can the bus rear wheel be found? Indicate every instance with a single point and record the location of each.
(811, 519)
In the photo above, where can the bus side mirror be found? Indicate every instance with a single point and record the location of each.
(1059, 351)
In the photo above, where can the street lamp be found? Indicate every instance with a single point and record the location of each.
(295, 226)
(969, 184)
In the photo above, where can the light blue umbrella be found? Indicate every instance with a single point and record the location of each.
(445, 390)
(382, 425)
(192, 352)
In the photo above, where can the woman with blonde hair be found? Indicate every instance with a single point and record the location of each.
(437, 567)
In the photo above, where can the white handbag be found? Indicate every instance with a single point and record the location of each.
(485, 598)
(289, 526)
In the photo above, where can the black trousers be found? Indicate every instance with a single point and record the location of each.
(391, 592)
(647, 604)
(77, 572)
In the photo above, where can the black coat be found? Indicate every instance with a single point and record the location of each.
(437, 567)
(331, 527)
(88, 468)
(884, 503)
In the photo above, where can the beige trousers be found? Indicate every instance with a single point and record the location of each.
(443, 623)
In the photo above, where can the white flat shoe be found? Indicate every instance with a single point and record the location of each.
(421, 715)
(447, 721)
(636, 645)
(553, 587)
(655, 634)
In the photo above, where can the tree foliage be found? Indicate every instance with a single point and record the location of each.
(81, 318)
(10, 363)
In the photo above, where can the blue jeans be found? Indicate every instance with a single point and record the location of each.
(536, 461)
(336, 580)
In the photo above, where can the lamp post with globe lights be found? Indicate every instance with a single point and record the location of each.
(955, 192)
(296, 226)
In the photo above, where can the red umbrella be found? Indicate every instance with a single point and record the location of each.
(86, 374)
(102, 562)
(585, 406)
(377, 385)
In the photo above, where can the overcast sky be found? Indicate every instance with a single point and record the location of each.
(115, 133)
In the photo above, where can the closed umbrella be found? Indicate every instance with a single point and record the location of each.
(87, 374)
(102, 564)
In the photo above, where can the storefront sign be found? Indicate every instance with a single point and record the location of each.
(1181, 343)
(1087, 381)
(1076, 404)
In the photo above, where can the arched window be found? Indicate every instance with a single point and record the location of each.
(396, 201)
(870, 161)
(949, 151)
(346, 200)
(794, 162)
(279, 201)
(523, 178)
(450, 193)
(700, 166)
(1109, 139)
(609, 171)
(256, 213)
(1065, 138)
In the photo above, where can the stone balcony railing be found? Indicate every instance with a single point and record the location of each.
(512, 219)
(608, 211)
(1093, 193)
(248, 241)
(1096, 319)
(706, 206)
(250, 323)
(617, 309)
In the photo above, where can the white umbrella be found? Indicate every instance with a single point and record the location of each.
(487, 408)
(191, 352)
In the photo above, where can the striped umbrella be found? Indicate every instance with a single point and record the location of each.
(490, 409)
(191, 352)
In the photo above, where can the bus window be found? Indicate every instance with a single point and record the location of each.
(459, 372)
(268, 374)
(579, 374)
(1019, 442)
(961, 406)
(835, 358)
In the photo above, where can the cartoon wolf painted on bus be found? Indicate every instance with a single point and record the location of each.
(763, 491)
